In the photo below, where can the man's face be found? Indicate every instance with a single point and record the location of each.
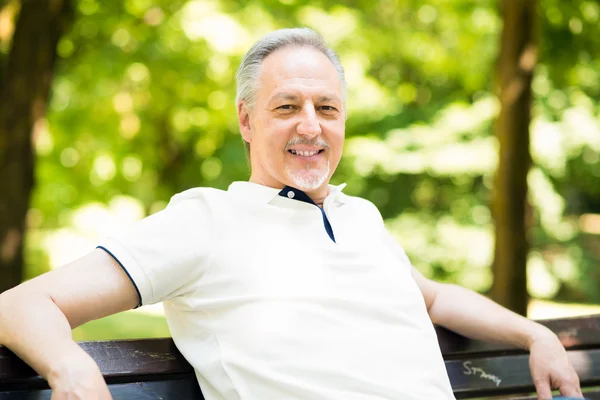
(296, 128)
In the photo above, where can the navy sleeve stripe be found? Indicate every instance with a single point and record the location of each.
(124, 269)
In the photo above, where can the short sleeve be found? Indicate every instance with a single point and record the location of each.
(165, 253)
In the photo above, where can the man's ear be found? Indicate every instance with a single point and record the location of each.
(244, 122)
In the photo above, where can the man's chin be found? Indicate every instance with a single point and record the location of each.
(307, 182)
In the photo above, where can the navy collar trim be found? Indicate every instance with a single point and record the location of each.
(299, 195)
(296, 194)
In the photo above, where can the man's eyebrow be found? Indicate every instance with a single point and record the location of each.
(328, 97)
(294, 97)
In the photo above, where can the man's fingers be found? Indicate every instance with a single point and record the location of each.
(542, 387)
(571, 391)
(570, 387)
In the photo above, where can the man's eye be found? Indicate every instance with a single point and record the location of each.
(328, 108)
(285, 107)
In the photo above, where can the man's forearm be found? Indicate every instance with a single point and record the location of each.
(35, 329)
(475, 316)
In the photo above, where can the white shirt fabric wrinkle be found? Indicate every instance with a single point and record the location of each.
(264, 305)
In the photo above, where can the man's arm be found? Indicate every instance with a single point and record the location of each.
(37, 316)
(473, 315)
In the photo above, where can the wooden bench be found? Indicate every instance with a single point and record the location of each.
(152, 369)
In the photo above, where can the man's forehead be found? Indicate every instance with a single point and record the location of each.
(299, 63)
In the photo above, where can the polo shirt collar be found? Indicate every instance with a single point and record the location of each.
(267, 194)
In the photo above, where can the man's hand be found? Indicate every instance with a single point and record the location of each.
(477, 317)
(78, 379)
(551, 369)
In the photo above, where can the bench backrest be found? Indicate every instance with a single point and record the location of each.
(480, 369)
(149, 367)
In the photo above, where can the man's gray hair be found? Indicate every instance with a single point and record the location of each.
(248, 74)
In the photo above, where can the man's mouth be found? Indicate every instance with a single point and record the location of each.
(305, 153)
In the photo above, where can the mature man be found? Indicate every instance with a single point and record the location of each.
(281, 287)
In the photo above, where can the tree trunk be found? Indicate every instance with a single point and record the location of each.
(24, 92)
(518, 56)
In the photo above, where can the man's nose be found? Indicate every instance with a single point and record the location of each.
(309, 122)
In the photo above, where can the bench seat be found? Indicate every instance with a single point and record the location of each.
(154, 369)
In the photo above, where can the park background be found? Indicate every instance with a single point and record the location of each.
(108, 108)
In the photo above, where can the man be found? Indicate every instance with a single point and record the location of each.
(281, 287)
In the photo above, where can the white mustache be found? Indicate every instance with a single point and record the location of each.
(309, 142)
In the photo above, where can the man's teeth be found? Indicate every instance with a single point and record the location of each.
(304, 153)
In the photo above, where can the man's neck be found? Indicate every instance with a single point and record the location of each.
(318, 199)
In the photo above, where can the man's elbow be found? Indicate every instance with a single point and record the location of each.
(14, 303)
(8, 302)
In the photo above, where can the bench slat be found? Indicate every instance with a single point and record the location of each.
(589, 395)
(500, 375)
(157, 390)
(117, 359)
(137, 357)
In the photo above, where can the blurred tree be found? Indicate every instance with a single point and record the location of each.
(518, 57)
(24, 88)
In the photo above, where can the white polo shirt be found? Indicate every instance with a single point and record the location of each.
(270, 297)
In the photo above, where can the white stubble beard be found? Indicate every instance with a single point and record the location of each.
(303, 182)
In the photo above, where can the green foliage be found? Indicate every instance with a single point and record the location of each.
(143, 107)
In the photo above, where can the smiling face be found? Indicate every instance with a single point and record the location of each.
(296, 127)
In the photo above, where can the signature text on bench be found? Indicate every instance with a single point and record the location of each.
(469, 370)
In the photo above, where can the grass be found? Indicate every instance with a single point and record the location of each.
(128, 325)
